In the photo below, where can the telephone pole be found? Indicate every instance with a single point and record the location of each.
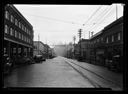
(74, 39)
(80, 33)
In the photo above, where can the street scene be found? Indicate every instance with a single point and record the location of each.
(63, 46)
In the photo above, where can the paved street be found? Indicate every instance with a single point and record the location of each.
(58, 73)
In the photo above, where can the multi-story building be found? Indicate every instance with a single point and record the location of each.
(41, 49)
(106, 44)
(18, 33)
(84, 49)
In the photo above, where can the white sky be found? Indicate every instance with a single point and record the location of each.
(59, 23)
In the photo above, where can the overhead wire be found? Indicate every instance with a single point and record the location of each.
(105, 16)
(100, 18)
(49, 18)
(93, 14)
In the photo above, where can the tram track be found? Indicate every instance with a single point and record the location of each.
(94, 83)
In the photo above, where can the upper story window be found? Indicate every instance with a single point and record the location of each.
(19, 25)
(7, 15)
(107, 40)
(6, 29)
(16, 22)
(97, 40)
(112, 38)
(22, 27)
(118, 36)
(25, 29)
(12, 19)
(22, 37)
(19, 35)
(11, 31)
(15, 33)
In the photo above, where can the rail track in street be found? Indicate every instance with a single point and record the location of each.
(80, 70)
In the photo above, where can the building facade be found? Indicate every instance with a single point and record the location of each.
(42, 49)
(106, 44)
(84, 54)
(18, 34)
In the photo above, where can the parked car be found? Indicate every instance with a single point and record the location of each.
(23, 60)
(7, 64)
(39, 58)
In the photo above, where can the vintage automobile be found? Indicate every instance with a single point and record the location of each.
(23, 60)
(39, 58)
(7, 64)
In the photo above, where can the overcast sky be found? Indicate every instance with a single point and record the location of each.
(57, 24)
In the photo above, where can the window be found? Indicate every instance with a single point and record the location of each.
(6, 15)
(6, 29)
(11, 31)
(14, 50)
(19, 50)
(22, 37)
(16, 23)
(19, 25)
(25, 29)
(107, 40)
(19, 35)
(15, 33)
(12, 19)
(118, 36)
(22, 27)
(112, 38)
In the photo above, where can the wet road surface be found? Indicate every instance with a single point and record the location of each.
(57, 73)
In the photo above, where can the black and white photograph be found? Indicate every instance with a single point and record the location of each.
(63, 46)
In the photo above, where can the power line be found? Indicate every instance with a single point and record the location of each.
(98, 17)
(108, 14)
(94, 13)
(44, 17)
(103, 15)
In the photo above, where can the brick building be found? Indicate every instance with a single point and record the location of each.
(18, 34)
(106, 44)
(42, 49)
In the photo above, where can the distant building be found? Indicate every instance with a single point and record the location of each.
(18, 34)
(60, 50)
(84, 49)
(42, 49)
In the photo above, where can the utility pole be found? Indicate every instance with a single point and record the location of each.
(80, 32)
(38, 44)
(74, 39)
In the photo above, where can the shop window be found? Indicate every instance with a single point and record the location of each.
(19, 50)
(5, 50)
(14, 50)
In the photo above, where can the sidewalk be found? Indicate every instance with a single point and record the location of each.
(102, 71)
